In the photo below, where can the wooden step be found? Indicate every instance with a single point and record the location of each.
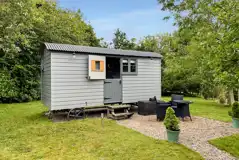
(121, 114)
(119, 106)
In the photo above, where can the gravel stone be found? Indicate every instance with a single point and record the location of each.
(194, 134)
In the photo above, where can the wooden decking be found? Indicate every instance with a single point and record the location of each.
(115, 112)
(112, 109)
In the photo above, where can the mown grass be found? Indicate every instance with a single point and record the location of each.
(27, 134)
(229, 144)
(208, 109)
(211, 109)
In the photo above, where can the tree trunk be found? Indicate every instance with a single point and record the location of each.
(222, 95)
(231, 97)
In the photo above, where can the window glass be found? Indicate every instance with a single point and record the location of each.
(132, 65)
(125, 65)
(97, 65)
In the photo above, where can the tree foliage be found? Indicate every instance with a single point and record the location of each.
(150, 44)
(171, 122)
(235, 110)
(209, 32)
(179, 71)
(120, 41)
(24, 25)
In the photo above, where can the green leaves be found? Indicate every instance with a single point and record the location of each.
(207, 38)
(148, 43)
(23, 27)
(121, 41)
(8, 88)
(235, 110)
(171, 122)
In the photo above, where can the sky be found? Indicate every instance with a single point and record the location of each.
(138, 18)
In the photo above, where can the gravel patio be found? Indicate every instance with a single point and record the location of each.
(194, 134)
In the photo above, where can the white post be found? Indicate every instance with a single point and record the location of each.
(102, 118)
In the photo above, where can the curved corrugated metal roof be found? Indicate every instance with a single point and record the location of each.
(98, 50)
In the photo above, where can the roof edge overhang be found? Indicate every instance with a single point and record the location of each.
(97, 50)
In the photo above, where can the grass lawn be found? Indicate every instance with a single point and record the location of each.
(208, 109)
(229, 144)
(26, 134)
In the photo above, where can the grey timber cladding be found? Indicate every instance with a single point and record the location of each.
(146, 84)
(64, 80)
(70, 86)
(46, 78)
(98, 50)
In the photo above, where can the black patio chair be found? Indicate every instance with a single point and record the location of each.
(161, 107)
(180, 106)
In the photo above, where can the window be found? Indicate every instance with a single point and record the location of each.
(125, 65)
(133, 66)
(97, 65)
(129, 66)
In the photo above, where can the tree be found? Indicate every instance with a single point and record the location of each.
(214, 31)
(180, 73)
(149, 43)
(120, 41)
(24, 25)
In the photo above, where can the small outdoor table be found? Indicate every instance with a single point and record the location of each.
(111, 112)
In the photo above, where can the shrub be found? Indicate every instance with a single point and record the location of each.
(8, 89)
(171, 122)
(20, 48)
(235, 110)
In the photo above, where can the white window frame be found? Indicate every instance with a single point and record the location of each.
(129, 66)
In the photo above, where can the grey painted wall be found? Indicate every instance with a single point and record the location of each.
(46, 79)
(146, 84)
(70, 87)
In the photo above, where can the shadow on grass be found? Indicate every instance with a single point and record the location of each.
(41, 116)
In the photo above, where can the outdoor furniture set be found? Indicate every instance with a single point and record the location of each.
(150, 107)
(158, 107)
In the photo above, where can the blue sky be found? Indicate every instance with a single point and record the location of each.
(138, 18)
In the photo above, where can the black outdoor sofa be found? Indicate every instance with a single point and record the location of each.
(146, 107)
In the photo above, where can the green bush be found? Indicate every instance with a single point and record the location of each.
(8, 89)
(171, 122)
(19, 49)
(235, 110)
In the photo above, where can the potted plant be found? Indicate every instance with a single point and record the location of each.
(171, 123)
(234, 113)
